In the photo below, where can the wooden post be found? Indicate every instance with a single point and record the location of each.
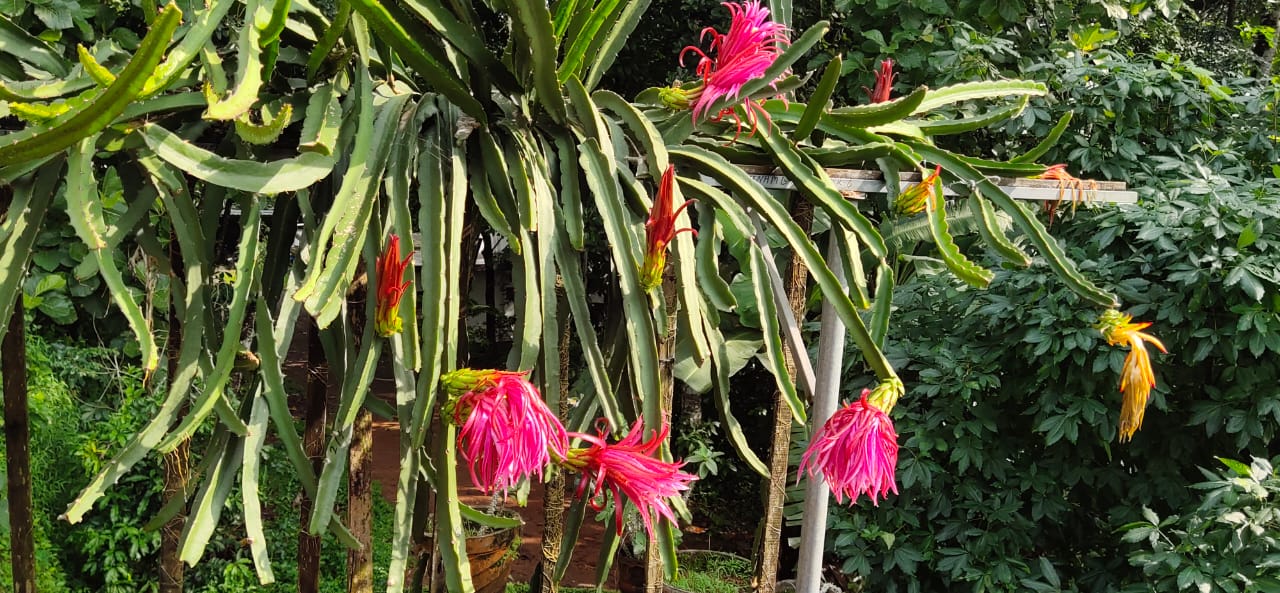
(653, 568)
(13, 365)
(826, 398)
(360, 505)
(313, 444)
(359, 482)
(775, 495)
(177, 463)
(553, 486)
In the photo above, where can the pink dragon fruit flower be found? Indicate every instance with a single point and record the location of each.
(629, 469)
(743, 54)
(506, 430)
(856, 451)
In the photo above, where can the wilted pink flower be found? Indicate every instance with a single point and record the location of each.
(743, 54)
(629, 469)
(856, 451)
(507, 431)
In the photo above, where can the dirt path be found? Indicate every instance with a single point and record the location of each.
(581, 572)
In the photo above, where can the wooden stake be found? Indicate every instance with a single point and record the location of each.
(313, 444)
(13, 365)
(775, 495)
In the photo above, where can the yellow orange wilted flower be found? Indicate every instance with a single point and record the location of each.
(916, 199)
(1136, 378)
(1082, 190)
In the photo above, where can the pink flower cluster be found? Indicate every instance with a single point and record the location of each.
(507, 433)
(743, 54)
(629, 469)
(856, 452)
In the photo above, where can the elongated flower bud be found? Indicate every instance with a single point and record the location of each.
(391, 286)
(884, 83)
(660, 230)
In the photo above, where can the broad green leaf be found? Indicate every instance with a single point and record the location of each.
(95, 116)
(328, 40)
(720, 363)
(1049, 140)
(272, 349)
(604, 49)
(643, 352)
(250, 176)
(84, 208)
(249, 66)
(399, 31)
(450, 537)
(467, 39)
(964, 269)
(248, 268)
(253, 446)
(190, 352)
(18, 231)
(878, 114)
(535, 21)
(580, 38)
(355, 386)
(818, 100)
(814, 184)
(773, 349)
(1034, 231)
(193, 40)
(944, 127)
(211, 498)
(17, 42)
(994, 236)
(740, 184)
(968, 91)
(322, 122)
(343, 232)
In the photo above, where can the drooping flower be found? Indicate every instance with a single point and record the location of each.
(1081, 189)
(391, 286)
(884, 83)
(856, 452)
(1136, 377)
(743, 54)
(506, 431)
(629, 469)
(660, 230)
(915, 199)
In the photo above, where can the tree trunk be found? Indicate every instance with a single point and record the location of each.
(775, 496)
(360, 505)
(313, 444)
(177, 466)
(1268, 58)
(360, 464)
(13, 365)
(653, 568)
(553, 487)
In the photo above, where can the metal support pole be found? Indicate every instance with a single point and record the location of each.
(826, 397)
